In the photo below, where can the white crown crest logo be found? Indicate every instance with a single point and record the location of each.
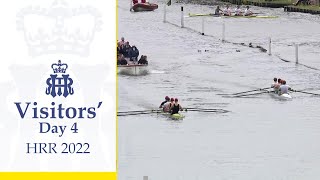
(59, 29)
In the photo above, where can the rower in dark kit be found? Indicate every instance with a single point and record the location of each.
(176, 107)
(167, 99)
(218, 11)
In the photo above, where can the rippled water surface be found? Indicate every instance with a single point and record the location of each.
(261, 137)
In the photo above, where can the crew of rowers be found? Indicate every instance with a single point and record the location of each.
(129, 54)
(171, 105)
(280, 86)
(237, 11)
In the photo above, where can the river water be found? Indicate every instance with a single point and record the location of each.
(261, 137)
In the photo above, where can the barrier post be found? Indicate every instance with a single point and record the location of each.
(269, 46)
(202, 32)
(165, 13)
(182, 18)
(297, 55)
(223, 31)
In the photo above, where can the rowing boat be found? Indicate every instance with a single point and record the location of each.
(195, 15)
(139, 7)
(176, 116)
(285, 96)
(254, 16)
(214, 15)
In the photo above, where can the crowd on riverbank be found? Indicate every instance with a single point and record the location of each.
(127, 54)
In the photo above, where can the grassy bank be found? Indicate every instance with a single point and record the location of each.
(284, 2)
(307, 7)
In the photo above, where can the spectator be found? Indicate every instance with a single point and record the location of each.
(143, 60)
(134, 53)
(126, 50)
(122, 60)
(122, 42)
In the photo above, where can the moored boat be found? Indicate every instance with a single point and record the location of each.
(139, 7)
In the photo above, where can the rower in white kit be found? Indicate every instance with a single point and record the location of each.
(284, 88)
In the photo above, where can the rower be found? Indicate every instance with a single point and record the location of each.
(275, 82)
(227, 11)
(277, 86)
(238, 11)
(168, 105)
(247, 12)
(167, 99)
(284, 88)
(176, 107)
(218, 11)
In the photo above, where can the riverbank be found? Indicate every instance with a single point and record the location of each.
(286, 4)
(264, 3)
(303, 9)
(271, 4)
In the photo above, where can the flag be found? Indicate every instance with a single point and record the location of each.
(169, 3)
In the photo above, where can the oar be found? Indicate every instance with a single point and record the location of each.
(243, 95)
(213, 109)
(247, 91)
(305, 92)
(123, 112)
(132, 114)
(208, 110)
(251, 90)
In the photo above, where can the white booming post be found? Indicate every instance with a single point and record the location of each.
(269, 46)
(223, 32)
(182, 18)
(202, 32)
(145, 177)
(297, 55)
(130, 5)
(165, 13)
